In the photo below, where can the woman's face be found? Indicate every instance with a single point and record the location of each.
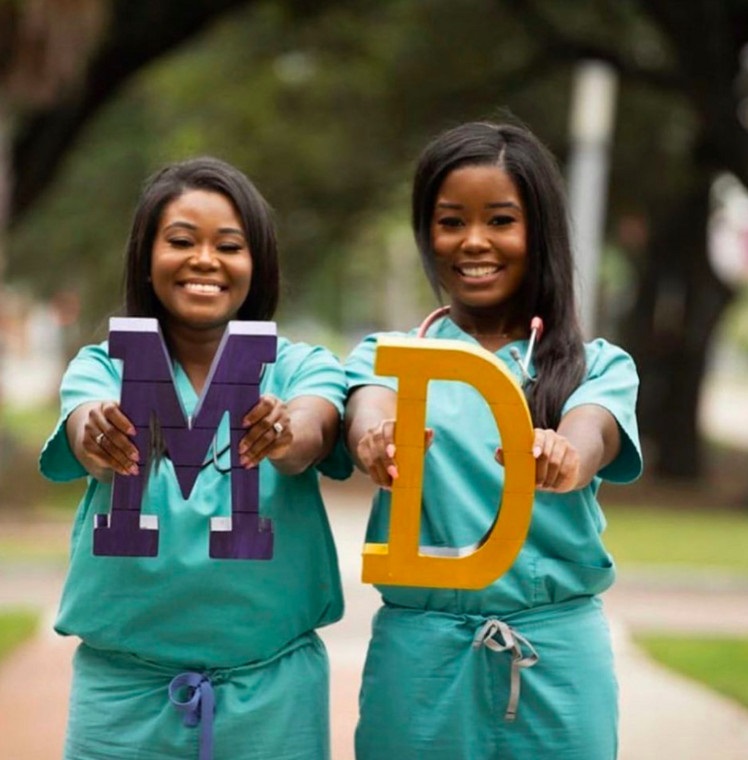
(479, 237)
(201, 265)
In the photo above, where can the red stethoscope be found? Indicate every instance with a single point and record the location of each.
(536, 331)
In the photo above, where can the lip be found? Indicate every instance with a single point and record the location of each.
(202, 287)
(477, 271)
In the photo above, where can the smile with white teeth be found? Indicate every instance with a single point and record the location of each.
(478, 270)
(202, 287)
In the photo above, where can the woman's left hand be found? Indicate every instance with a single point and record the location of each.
(557, 462)
(269, 432)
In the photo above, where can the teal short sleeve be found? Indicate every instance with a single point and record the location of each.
(304, 370)
(359, 366)
(612, 382)
(90, 376)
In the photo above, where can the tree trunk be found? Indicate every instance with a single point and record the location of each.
(678, 306)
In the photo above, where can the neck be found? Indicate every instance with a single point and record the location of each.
(194, 350)
(492, 329)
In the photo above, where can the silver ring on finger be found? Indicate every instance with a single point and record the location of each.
(99, 438)
(278, 427)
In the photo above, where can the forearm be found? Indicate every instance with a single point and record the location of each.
(315, 423)
(367, 408)
(594, 433)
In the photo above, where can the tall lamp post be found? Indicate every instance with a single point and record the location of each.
(591, 127)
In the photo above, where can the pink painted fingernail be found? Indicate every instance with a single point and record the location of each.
(392, 472)
(536, 451)
(390, 450)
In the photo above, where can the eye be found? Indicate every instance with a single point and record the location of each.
(501, 220)
(180, 242)
(230, 247)
(449, 221)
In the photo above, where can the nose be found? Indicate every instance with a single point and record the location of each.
(475, 240)
(204, 256)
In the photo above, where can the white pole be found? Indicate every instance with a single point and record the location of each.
(591, 127)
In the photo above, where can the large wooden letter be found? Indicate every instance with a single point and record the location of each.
(148, 393)
(402, 561)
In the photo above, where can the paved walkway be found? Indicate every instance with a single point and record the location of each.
(663, 716)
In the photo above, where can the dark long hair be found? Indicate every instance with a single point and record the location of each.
(255, 215)
(548, 289)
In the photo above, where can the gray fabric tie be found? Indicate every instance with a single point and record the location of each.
(510, 641)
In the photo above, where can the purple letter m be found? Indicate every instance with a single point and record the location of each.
(148, 392)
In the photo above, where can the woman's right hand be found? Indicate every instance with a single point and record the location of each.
(104, 436)
(376, 453)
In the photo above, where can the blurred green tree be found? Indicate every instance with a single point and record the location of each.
(326, 108)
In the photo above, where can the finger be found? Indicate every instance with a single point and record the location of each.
(264, 415)
(555, 451)
(428, 437)
(114, 457)
(119, 442)
(499, 456)
(568, 472)
(114, 415)
(557, 464)
(541, 462)
(379, 475)
(270, 437)
(388, 463)
(106, 444)
(538, 443)
(261, 409)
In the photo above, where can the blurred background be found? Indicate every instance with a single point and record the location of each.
(326, 106)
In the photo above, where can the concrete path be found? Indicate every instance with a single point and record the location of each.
(663, 716)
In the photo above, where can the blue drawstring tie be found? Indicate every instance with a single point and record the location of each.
(198, 708)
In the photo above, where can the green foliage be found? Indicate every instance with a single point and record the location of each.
(678, 537)
(719, 662)
(29, 425)
(22, 488)
(16, 625)
(327, 116)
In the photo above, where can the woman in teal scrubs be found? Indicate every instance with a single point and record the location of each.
(184, 656)
(522, 669)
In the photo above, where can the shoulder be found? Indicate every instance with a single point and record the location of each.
(359, 366)
(93, 361)
(367, 345)
(304, 369)
(602, 356)
(292, 354)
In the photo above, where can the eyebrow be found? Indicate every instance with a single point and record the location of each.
(193, 227)
(458, 206)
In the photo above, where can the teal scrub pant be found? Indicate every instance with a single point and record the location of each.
(275, 710)
(439, 686)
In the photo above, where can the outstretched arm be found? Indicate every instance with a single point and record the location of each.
(587, 440)
(292, 436)
(98, 433)
(370, 431)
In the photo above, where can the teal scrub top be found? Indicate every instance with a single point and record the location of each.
(182, 607)
(563, 556)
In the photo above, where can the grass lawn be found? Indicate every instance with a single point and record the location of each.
(16, 625)
(720, 663)
(687, 538)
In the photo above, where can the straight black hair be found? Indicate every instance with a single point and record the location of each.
(548, 289)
